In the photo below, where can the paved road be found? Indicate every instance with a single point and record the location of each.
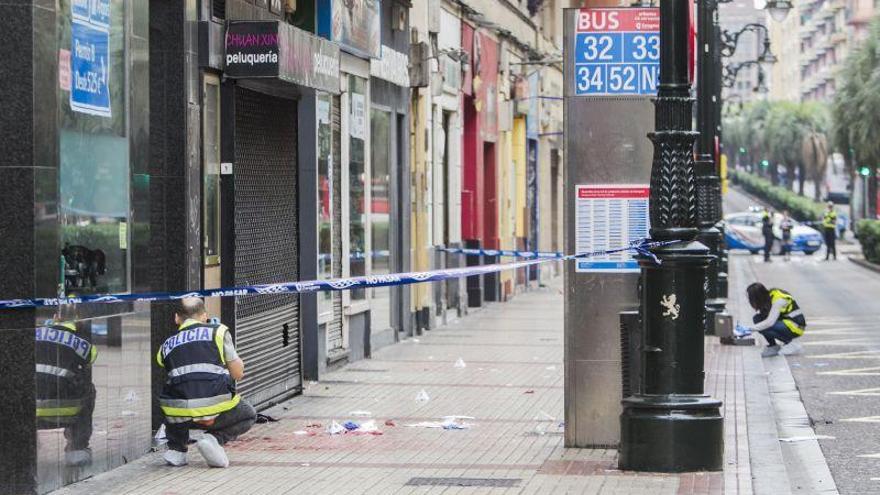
(838, 374)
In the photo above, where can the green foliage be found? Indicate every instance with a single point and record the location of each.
(869, 237)
(775, 131)
(856, 106)
(801, 208)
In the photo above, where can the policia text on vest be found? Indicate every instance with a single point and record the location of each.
(64, 389)
(202, 367)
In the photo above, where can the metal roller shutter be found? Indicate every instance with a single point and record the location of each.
(334, 327)
(267, 327)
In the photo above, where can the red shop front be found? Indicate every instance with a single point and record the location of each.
(479, 194)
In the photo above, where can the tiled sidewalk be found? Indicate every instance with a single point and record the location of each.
(511, 385)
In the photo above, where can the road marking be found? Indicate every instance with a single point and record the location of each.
(836, 329)
(873, 371)
(842, 342)
(872, 354)
(862, 392)
(865, 419)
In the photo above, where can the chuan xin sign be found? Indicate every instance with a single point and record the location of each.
(272, 49)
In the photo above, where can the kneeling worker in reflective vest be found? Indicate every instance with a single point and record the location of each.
(64, 390)
(199, 393)
(778, 317)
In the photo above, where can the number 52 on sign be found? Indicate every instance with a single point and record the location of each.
(617, 51)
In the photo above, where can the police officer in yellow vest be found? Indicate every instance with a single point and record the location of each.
(64, 390)
(829, 227)
(778, 318)
(199, 392)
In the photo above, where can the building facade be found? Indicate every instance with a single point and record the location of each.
(178, 146)
(733, 16)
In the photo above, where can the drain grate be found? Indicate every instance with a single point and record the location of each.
(366, 370)
(490, 482)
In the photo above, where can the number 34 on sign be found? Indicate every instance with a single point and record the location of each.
(617, 51)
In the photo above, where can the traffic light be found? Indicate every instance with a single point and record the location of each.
(765, 163)
(864, 171)
(742, 151)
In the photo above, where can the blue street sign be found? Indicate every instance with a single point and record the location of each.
(89, 69)
(617, 52)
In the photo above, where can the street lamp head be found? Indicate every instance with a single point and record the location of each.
(767, 56)
(778, 9)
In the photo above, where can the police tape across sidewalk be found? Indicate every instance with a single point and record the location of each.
(641, 246)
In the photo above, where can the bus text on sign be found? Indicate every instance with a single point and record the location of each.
(617, 51)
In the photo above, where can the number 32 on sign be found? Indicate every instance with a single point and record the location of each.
(617, 51)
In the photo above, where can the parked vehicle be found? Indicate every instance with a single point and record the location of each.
(743, 231)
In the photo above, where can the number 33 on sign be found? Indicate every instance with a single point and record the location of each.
(617, 51)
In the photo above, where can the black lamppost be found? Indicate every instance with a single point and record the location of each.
(708, 180)
(670, 424)
(712, 45)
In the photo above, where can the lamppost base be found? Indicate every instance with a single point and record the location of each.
(671, 433)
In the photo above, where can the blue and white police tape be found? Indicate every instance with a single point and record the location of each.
(323, 285)
(502, 252)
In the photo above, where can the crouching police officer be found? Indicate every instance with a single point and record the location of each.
(199, 393)
(778, 318)
(64, 390)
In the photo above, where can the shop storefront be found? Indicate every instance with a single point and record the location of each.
(76, 198)
(275, 130)
(479, 195)
(373, 111)
(446, 163)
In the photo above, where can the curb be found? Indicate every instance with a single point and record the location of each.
(865, 263)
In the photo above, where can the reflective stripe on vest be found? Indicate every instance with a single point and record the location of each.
(54, 370)
(198, 368)
(49, 408)
(195, 408)
(789, 312)
(829, 221)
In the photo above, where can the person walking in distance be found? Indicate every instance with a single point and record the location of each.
(786, 226)
(777, 317)
(829, 227)
(199, 393)
(767, 231)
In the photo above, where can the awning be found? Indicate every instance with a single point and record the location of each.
(277, 50)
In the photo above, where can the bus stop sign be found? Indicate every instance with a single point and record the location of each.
(617, 51)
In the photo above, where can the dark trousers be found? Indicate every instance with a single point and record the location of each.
(77, 429)
(227, 426)
(777, 332)
(768, 246)
(830, 243)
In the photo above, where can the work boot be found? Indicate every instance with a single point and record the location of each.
(77, 458)
(791, 348)
(212, 451)
(770, 351)
(175, 458)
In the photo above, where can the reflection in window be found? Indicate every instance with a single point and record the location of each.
(357, 198)
(94, 156)
(380, 215)
(325, 201)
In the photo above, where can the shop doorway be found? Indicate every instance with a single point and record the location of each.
(267, 327)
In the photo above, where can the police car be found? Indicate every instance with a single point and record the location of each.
(743, 231)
